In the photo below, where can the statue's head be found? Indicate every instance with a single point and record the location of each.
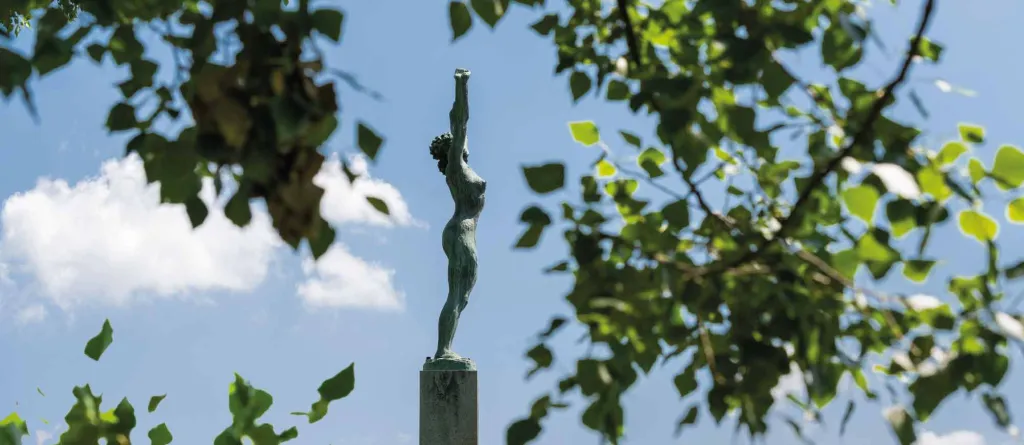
(439, 150)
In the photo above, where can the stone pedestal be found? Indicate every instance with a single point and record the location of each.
(448, 407)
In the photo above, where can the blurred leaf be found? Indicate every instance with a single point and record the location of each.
(545, 178)
(584, 132)
(378, 204)
(1009, 165)
(328, 23)
(978, 225)
(155, 401)
(862, 201)
(98, 344)
(974, 134)
(160, 435)
(459, 19)
(369, 142)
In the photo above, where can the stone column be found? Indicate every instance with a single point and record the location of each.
(448, 407)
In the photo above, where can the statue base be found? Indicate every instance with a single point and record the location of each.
(449, 364)
(448, 405)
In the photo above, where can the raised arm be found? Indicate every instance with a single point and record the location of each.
(459, 117)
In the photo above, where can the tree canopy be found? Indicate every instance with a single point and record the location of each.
(785, 272)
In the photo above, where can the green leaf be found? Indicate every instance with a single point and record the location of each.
(522, 431)
(545, 178)
(650, 160)
(996, 406)
(689, 418)
(677, 214)
(334, 388)
(197, 211)
(96, 52)
(155, 401)
(369, 142)
(584, 132)
(96, 345)
(977, 170)
(459, 19)
(160, 435)
(933, 182)
(541, 357)
(237, 208)
(902, 217)
(978, 225)
(974, 134)
(579, 84)
(630, 138)
(686, 382)
(776, 80)
(378, 204)
(537, 219)
(902, 425)
(489, 10)
(950, 152)
(862, 201)
(121, 117)
(14, 421)
(325, 235)
(328, 23)
(605, 169)
(1009, 166)
(1015, 271)
(929, 50)
(545, 24)
(1015, 211)
(618, 90)
(917, 270)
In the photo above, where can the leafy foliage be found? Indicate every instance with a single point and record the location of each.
(740, 292)
(254, 116)
(88, 424)
(737, 292)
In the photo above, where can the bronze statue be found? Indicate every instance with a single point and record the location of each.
(459, 236)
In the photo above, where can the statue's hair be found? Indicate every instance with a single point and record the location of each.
(439, 150)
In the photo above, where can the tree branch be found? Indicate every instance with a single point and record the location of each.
(862, 136)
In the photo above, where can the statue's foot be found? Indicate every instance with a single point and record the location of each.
(447, 355)
(448, 360)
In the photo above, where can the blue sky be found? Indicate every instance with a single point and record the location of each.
(83, 240)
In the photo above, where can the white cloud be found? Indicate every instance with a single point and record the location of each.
(792, 383)
(31, 314)
(954, 438)
(345, 202)
(107, 240)
(339, 279)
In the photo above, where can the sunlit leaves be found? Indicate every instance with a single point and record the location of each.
(459, 19)
(1015, 211)
(978, 225)
(585, 132)
(605, 169)
(98, 344)
(545, 178)
(929, 50)
(917, 270)
(974, 134)
(976, 170)
(12, 428)
(1009, 166)
(650, 160)
(950, 152)
(861, 201)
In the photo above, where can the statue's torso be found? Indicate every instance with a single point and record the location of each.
(467, 189)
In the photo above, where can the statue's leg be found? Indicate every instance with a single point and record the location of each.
(449, 318)
(461, 279)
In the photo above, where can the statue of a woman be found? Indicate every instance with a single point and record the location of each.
(459, 236)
